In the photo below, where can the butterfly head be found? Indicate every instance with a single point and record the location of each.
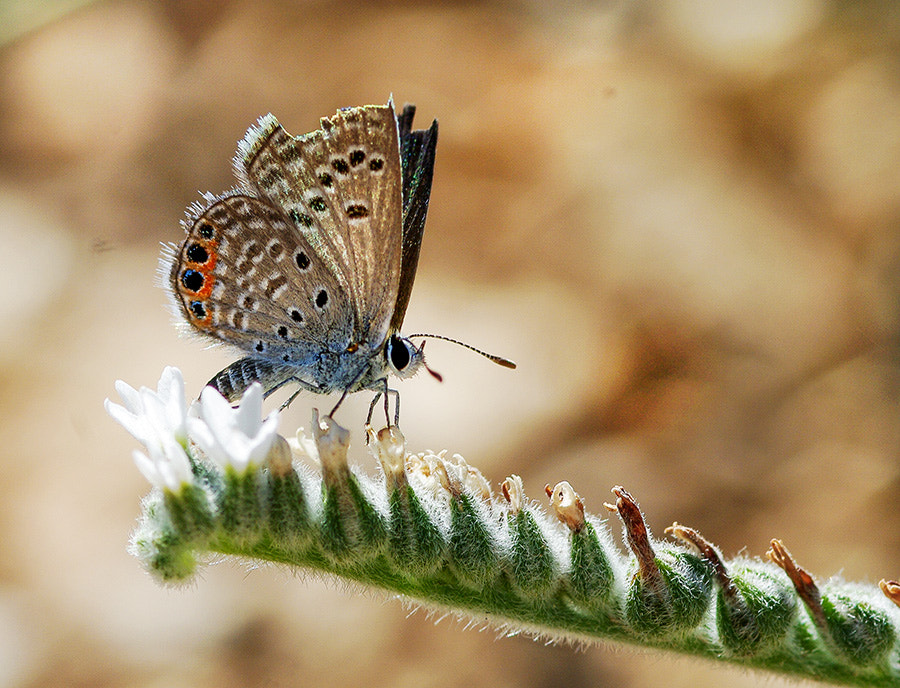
(404, 359)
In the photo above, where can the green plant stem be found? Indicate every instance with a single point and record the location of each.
(436, 536)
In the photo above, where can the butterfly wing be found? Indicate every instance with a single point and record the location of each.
(245, 276)
(341, 187)
(417, 151)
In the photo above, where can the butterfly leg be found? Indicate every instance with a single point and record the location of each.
(290, 399)
(375, 399)
(388, 392)
(396, 394)
(302, 387)
(385, 394)
(387, 406)
(339, 402)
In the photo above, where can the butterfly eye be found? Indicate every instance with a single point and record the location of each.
(398, 353)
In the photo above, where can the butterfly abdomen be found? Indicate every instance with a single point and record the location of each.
(233, 381)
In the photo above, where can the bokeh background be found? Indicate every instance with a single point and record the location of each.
(680, 219)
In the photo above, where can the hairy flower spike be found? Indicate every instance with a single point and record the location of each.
(416, 542)
(590, 575)
(473, 549)
(754, 607)
(351, 524)
(670, 591)
(190, 513)
(286, 499)
(429, 528)
(860, 630)
(533, 564)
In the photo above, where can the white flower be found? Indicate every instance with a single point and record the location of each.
(151, 415)
(463, 475)
(304, 446)
(234, 437)
(158, 420)
(166, 468)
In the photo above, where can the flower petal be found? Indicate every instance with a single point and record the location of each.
(133, 424)
(249, 412)
(130, 396)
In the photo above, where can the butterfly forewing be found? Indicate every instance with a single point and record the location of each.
(341, 188)
(246, 276)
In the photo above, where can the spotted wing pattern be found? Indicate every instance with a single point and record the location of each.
(341, 188)
(244, 275)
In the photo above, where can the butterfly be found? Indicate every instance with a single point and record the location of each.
(307, 264)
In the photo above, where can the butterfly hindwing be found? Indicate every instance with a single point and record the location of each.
(244, 275)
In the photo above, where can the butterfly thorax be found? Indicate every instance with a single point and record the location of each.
(360, 366)
(355, 368)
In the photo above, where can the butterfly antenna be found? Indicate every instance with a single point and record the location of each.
(499, 360)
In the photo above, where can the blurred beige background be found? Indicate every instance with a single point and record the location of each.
(680, 219)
